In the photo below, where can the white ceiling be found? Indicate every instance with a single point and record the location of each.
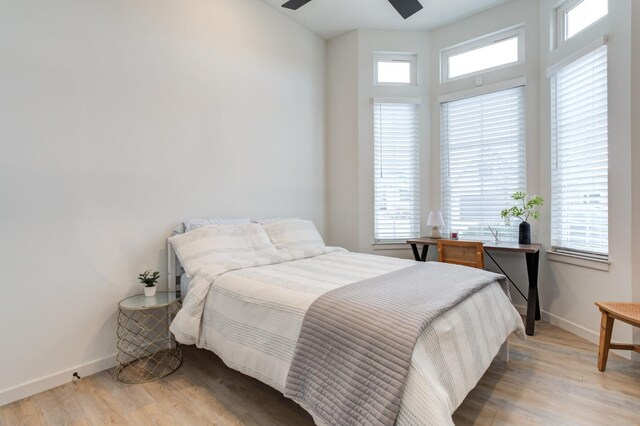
(329, 18)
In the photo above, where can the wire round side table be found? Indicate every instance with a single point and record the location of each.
(147, 350)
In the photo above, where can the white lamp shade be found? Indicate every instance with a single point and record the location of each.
(435, 219)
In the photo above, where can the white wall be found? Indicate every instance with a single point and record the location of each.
(635, 146)
(342, 141)
(117, 120)
(569, 291)
(514, 13)
(635, 142)
(350, 130)
(370, 42)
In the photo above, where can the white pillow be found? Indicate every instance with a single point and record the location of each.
(267, 220)
(191, 224)
(294, 234)
(218, 243)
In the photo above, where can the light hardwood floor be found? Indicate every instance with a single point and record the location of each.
(551, 379)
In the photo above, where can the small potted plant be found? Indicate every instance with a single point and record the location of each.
(528, 209)
(149, 280)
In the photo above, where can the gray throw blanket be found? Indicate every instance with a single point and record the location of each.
(355, 346)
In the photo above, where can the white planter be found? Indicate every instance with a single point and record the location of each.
(150, 291)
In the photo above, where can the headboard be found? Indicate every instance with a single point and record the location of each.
(173, 270)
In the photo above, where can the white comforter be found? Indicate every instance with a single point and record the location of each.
(251, 316)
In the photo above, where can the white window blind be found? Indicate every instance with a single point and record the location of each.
(580, 175)
(482, 162)
(397, 171)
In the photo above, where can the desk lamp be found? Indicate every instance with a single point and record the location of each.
(435, 219)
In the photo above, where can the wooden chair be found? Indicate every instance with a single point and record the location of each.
(625, 312)
(467, 253)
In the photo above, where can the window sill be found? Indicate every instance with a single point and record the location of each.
(392, 245)
(577, 260)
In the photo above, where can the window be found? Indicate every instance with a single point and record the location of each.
(487, 53)
(576, 15)
(482, 161)
(397, 171)
(579, 210)
(395, 69)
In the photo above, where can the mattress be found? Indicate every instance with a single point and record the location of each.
(252, 318)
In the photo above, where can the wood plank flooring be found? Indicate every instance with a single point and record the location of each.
(551, 379)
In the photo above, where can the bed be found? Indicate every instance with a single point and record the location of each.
(249, 309)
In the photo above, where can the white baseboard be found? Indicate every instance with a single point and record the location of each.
(564, 324)
(580, 331)
(33, 387)
(48, 382)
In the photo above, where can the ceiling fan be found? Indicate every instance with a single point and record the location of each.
(405, 8)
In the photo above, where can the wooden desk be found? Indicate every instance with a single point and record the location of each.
(532, 256)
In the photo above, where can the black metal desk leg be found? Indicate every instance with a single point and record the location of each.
(416, 255)
(420, 257)
(425, 251)
(533, 304)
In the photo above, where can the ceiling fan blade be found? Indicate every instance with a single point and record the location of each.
(295, 4)
(406, 8)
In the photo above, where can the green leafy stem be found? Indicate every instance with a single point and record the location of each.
(148, 278)
(528, 209)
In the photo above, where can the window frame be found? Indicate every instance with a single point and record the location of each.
(480, 91)
(559, 252)
(561, 21)
(410, 58)
(397, 100)
(480, 42)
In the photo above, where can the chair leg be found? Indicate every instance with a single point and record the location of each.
(606, 327)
